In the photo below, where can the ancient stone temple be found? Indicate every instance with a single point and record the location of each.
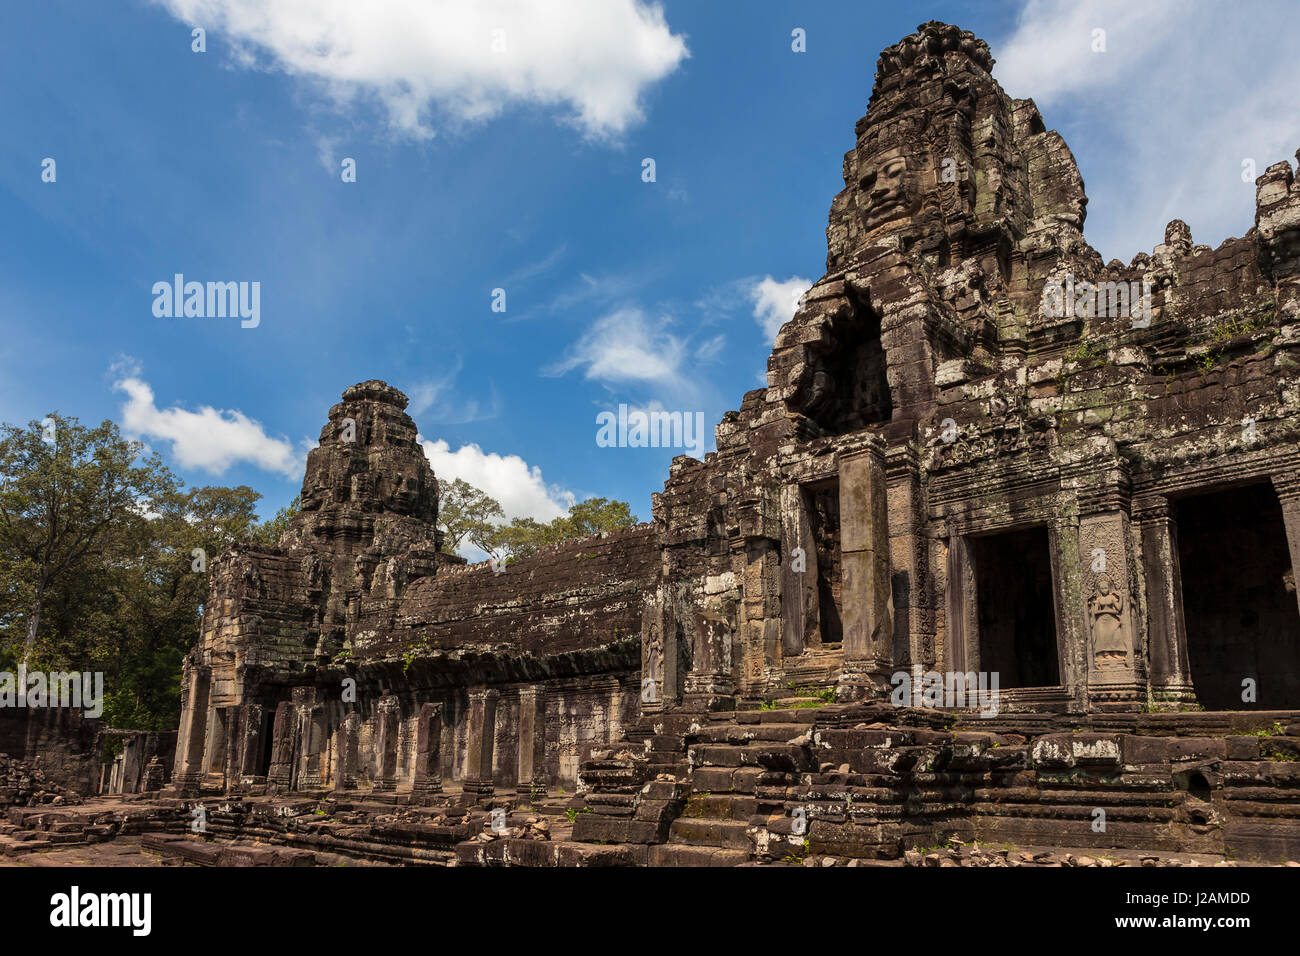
(1069, 488)
(357, 654)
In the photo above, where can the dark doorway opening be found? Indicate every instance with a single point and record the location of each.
(1241, 619)
(1017, 608)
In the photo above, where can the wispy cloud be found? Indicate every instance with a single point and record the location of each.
(534, 269)
(626, 346)
(435, 401)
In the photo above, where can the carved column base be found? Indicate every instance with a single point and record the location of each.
(479, 788)
(1116, 697)
(864, 681)
(186, 784)
(531, 792)
(1173, 697)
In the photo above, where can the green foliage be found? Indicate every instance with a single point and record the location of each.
(466, 514)
(268, 533)
(524, 536)
(98, 562)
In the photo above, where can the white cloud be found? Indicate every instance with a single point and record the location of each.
(1162, 121)
(594, 58)
(509, 479)
(626, 346)
(775, 302)
(209, 439)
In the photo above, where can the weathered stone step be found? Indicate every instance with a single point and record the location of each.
(745, 733)
(803, 715)
(726, 779)
(17, 847)
(731, 834)
(720, 806)
(671, 854)
(778, 756)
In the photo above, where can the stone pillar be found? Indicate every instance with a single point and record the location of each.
(913, 607)
(345, 752)
(658, 652)
(760, 613)
(279, 775)
(1168, 663)
(531, 784)
(234, 728)
(799, 598)
(710, 674)
(250, 772)
(961, 635)
(310, 737)
(386, 728)
(481, 738)
(191, 739)
(867, 588)
(1114, 671)
(428, 750)
(132, 763)
(1288, 492)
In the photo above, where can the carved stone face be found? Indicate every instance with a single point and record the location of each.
(885, 189)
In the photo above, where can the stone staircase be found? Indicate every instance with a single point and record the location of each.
(692, 797)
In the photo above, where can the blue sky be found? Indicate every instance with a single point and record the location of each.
(520, 169)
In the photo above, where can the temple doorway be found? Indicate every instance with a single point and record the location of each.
(1016, 607)
(1242, 621)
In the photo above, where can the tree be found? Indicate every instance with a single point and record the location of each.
(65, 492)
(268, 533)
(596, 515)
(466, 514)
(154, 617)
(103, 560)
(524, 536)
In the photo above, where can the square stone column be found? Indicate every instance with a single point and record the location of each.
(799, 598)
(309, 736)
(481, 738)
(279, 775)
(658, 651)
(532, 742)
(250, 746)
(961, 634)
(345, 752)
(428, 750)
(386, 730)
(191, 741)
(234, 729)
(1116, 676)
(1167, 660)
(1288, 492)
(909, 560)
(866, 587)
